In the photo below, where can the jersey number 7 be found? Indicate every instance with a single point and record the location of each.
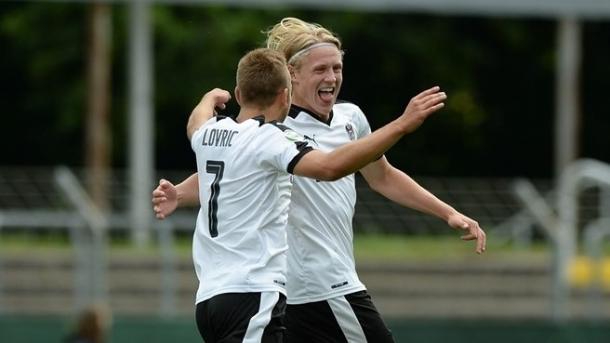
(217, 168)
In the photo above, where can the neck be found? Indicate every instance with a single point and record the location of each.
(246, 113)
(323, 116)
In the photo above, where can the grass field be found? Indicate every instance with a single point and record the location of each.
(367, 247)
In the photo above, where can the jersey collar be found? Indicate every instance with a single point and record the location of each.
(295, 110)
(260, 119)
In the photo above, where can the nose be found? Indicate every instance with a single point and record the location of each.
(330, 76)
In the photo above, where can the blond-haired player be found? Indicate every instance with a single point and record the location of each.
(239, 244)
(326, 300)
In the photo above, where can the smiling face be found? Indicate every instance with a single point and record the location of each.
(316, 79)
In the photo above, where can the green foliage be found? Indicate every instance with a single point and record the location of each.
(498, 73)
(43, 89)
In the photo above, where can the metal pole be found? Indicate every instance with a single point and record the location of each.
(168, 268)
(98, 133)
(141, 142)
(94, 246)
(567, 123)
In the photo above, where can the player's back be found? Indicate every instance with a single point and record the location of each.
(244, 188)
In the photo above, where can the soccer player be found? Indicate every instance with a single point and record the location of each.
(243, 164)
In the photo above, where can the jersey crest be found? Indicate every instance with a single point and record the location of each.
(350, 131)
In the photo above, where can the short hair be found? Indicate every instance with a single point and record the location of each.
(292, 35)
(261, 74)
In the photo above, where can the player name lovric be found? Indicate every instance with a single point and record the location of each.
(218, 137)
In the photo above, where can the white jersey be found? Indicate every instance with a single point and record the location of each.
(320, 259)
(239, 244)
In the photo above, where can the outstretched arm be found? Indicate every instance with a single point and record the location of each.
(167, 197)
(402, 189)
(349, 158)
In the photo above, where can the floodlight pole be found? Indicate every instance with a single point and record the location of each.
(141, 114)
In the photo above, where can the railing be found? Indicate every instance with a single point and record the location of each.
(31, 200)
(561, 226)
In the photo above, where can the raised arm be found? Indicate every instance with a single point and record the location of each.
(205, 109)
(351, 157)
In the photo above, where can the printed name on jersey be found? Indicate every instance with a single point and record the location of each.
(218, 137)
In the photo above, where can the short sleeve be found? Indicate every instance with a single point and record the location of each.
(281, 147)
(363, 128)
(196, 137)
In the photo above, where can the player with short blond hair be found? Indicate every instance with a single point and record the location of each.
(244, 166)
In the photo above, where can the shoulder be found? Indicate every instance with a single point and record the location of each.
(348, 110)
(284, 130)
(278, 125)
(219, 120)
(346, 107)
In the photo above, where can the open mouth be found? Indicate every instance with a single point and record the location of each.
(327, 93)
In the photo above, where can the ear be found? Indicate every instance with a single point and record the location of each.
(238, 96)
(285, 97)
(293, 71)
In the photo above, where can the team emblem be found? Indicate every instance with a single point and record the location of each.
(350, 131)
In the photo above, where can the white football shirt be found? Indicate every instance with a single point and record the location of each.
(320, 258)
(239, 244)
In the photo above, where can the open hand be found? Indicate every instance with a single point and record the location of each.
(164, 199)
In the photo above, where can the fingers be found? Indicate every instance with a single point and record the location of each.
(158, 200)
(158, 197)
(475, 233)
(158, 211)
(427, 102)
(434, 99)
(164, 184)
(428, 91)
(481, 240)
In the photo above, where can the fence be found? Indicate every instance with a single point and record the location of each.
(46, 200)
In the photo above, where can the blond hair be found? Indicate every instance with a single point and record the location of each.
(292, 35)
(261, 75)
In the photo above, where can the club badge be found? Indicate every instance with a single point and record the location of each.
(350, 131)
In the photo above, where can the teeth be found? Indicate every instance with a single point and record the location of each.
(329, 89)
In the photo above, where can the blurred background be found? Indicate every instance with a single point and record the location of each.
(94, 103)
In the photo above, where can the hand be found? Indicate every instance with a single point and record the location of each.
(421, 106)
(218, 97)
(164, 199)
(205, 109)
(461, 222)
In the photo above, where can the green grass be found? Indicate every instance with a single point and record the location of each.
(394, 248)
(367, 247)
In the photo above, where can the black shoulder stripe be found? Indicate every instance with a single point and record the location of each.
(303, 150)
(279, 125)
